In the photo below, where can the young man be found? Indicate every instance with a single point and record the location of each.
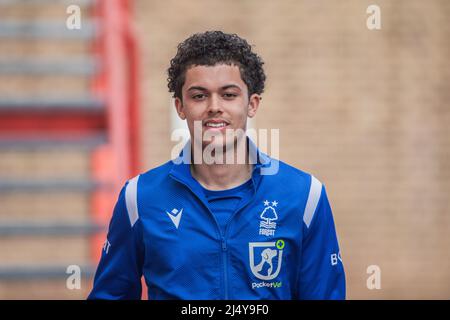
(199, 227)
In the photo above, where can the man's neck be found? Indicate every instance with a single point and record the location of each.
(223, 176)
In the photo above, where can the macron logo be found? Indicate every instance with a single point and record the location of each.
(175, 216)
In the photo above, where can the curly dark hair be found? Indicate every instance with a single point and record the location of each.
(215, 47)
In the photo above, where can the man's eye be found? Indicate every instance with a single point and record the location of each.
(230, 95)
(198, 96)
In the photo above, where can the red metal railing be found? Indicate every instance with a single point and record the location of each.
(117, 161)
(114, 163)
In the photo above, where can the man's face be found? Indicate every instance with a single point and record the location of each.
(217, 98)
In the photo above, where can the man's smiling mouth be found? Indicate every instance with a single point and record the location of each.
(216, 124)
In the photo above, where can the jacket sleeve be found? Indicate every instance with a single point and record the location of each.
(119, 272)
(322, 274)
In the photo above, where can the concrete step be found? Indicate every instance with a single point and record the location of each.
(69, 66)
(43, 186)
(49, 228)
(44, 251)
(59, 207)
(54, 30)
(43, 48)
(28, 3)
(10, 143)
(41, 102)
(48, 9)
(43, 289)
(43, 272)
(49, 164)
(33, 86)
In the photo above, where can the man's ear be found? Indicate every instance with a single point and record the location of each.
(253, 105)
(179, 106)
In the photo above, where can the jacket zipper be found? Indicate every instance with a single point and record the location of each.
(225, 266)
(224, 243)
(222, 237)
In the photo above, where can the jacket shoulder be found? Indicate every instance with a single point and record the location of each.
(294, 176)
(152, 178)
(159, 171)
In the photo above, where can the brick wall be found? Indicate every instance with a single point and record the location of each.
(365, 111)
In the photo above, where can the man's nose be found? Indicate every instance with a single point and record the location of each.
(214, 104)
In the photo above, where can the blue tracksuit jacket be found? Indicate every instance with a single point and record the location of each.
(281, 243)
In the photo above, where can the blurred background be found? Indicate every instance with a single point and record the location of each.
(85, 107)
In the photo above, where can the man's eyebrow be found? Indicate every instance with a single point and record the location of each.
(197, 88)
(231, 86)
(228, 86)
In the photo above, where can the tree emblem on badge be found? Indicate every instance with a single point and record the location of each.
(268, 216)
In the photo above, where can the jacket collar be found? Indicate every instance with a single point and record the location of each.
(181, 165)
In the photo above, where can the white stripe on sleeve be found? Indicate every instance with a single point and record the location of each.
(131, 200)
(313, 199)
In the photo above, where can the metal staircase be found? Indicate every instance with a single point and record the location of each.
(64, 154)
